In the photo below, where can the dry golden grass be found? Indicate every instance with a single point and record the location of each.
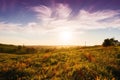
(73, 63)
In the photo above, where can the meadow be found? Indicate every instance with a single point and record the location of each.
(59, 63)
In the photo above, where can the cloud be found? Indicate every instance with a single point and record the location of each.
(10, 27)
(62, 11)
(59, 18)
(44, 12)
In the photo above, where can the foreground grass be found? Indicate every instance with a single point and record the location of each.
(74, 63)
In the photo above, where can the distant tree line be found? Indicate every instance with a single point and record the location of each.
(16, 49)
(110, 42)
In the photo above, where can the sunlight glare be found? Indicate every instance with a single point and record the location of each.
(65, 37)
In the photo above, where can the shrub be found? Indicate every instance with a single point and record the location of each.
(110, 42)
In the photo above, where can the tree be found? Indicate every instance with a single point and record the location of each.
(110, 42)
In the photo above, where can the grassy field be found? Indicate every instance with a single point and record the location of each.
(63, 63)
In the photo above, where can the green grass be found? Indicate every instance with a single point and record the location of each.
(71, 63)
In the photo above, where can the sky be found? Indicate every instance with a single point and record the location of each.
(59, 22)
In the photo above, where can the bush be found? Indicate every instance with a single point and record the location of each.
(110, 42)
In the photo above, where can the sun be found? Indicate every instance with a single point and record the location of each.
(65, 37)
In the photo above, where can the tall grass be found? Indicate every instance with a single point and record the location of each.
(74, 63)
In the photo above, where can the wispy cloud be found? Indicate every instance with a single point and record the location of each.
(10, 27)
(59, 18)
(43, 12)
(62, 11)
